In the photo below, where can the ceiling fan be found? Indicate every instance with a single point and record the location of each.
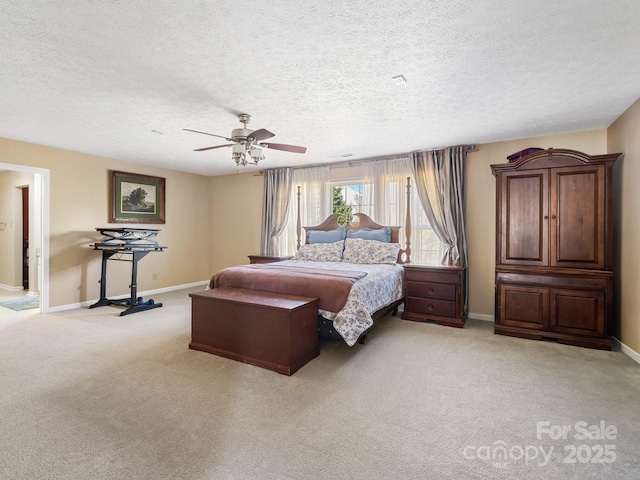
(248, 144)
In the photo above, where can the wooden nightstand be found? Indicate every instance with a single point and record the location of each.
(434, 293)
(267, 258)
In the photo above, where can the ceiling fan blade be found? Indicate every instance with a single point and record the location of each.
(205, 133)
(285, 148)
(261, 134)
(211, 148)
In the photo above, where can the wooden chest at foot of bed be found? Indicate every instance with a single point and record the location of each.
(270, 330)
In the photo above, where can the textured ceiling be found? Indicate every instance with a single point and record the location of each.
(121, 79)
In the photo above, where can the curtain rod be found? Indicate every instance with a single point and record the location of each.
(344, 163)
(350, 163)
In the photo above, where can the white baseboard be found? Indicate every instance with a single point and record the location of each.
(628, 351)
(72, 306)
(483, 317)
(10, 288)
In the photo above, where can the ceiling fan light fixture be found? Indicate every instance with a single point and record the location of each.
(256, 155)
(238, 154)
(239, 158)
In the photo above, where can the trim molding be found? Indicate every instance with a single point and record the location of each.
(628, 351)
(10, 288)
(72, 306)
(483, 317)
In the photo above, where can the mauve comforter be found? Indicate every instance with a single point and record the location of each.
(332, 287)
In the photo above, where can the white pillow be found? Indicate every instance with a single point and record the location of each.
(321, 252)
(358, 250)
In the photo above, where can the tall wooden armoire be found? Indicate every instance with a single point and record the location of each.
(554, 247)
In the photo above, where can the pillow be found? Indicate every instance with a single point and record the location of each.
(329, 236)
(321, 252)
(379, 234)
(358, 250)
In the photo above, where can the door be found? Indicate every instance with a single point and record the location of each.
(578, 217)
(524, 221)
(25, 238)
(578, 312)
(523, 306)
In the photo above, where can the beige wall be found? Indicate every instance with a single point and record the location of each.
(79, 199)
(236, 218)
(481, 204)
(624, 137)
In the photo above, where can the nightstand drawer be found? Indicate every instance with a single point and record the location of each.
(431, 306)
(430, 276)
(431, 290)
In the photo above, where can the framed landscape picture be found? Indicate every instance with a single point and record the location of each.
(136, 198)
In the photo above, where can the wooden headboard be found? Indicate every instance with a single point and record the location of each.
(364, 221)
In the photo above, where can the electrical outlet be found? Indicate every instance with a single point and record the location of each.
(154, 276)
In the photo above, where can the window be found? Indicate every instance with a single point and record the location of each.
(377, 189)
(347, 199)
(426, 247)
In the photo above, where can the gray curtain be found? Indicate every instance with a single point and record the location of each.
(277, 194)
(439, 176)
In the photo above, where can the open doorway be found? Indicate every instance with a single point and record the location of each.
(25, 232)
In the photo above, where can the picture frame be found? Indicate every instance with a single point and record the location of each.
(136, 198)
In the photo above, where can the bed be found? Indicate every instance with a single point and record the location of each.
(355, 271)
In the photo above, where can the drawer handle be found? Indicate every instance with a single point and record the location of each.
(431, 306)
(430, 291)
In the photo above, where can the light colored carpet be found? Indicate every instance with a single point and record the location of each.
(87, 394)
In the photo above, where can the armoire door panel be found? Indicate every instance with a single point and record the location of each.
(524, 218)
(525, 307)
(577, 236)
(577, 312)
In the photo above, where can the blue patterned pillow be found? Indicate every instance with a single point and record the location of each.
(322, 236)
(379, 234)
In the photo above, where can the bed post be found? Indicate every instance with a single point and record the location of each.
(299, 223)
(407, 224)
